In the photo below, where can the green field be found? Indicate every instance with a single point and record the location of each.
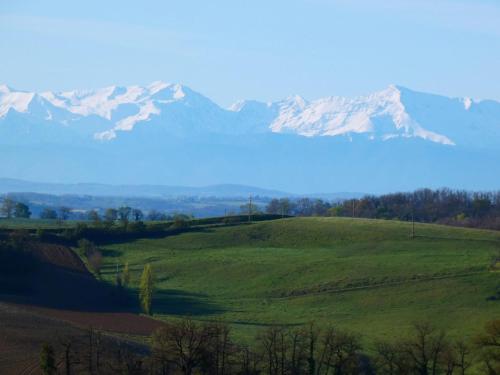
(367, 276)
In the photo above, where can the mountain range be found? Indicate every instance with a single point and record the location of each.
(394, 139)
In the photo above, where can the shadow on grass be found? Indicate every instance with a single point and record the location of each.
(110, 238)
(104, 237)
(111, 253)
(175, 302)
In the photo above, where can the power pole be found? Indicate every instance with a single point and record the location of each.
(353, 208)
(412, 223)
(250, 208)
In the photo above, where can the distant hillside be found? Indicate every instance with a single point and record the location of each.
(8, 185)
(206, 201)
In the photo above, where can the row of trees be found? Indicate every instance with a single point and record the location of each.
(89, 251)
(187, 348)
(476, 209)
(61, 213)
(299, 207)
(126, 215)
(11, 208)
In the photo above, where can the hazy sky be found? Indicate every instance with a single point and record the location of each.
(267, 50)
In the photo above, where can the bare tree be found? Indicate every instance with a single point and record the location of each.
(220, 348)
(390, 359)
(488, 344)
(182, 344)
(340, 352)
(426, 349)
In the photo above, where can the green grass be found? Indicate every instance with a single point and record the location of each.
(364, 275)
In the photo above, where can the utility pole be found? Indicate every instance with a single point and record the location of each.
(412, 223)
(250, 208)
(353, 208)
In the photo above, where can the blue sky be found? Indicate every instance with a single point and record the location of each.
(267, 50)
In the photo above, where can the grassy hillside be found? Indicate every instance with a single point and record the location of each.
(364, 275)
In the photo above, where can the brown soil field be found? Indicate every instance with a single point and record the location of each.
(114, 322)
(62, 299)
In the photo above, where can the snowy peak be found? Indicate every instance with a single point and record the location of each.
(4, 89)
(16, 100)
(380, 115)
(162, 109)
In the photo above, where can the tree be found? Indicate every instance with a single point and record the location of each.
(48, 214)
(126, 276)
(86, 247)
(312, 339)
(110, 215)
(137, 214)
(340, 352)
(489, 346)
(273, 207)
(304, 207)
(95, 262)
(336, 211)
(391, 359)
(64, 213)
(146, 289)
(47, 360)
(426, 350)
(7, 208)
(68, 360)
(94, 217)
(92, 253)
(21, 210)
(461, 356)
(285, 207)
(184, 344)
(124, 214)
(154, 215)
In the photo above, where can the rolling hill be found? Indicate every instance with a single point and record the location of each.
(363, 275)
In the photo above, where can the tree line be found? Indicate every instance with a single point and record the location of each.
(10, 208)
(93, 256)
(187, 347)
(444, 206)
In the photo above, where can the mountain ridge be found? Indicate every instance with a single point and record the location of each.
(393, 112)
(392, 140)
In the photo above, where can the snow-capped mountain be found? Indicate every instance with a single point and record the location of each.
(169, 134)
(396, 112)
